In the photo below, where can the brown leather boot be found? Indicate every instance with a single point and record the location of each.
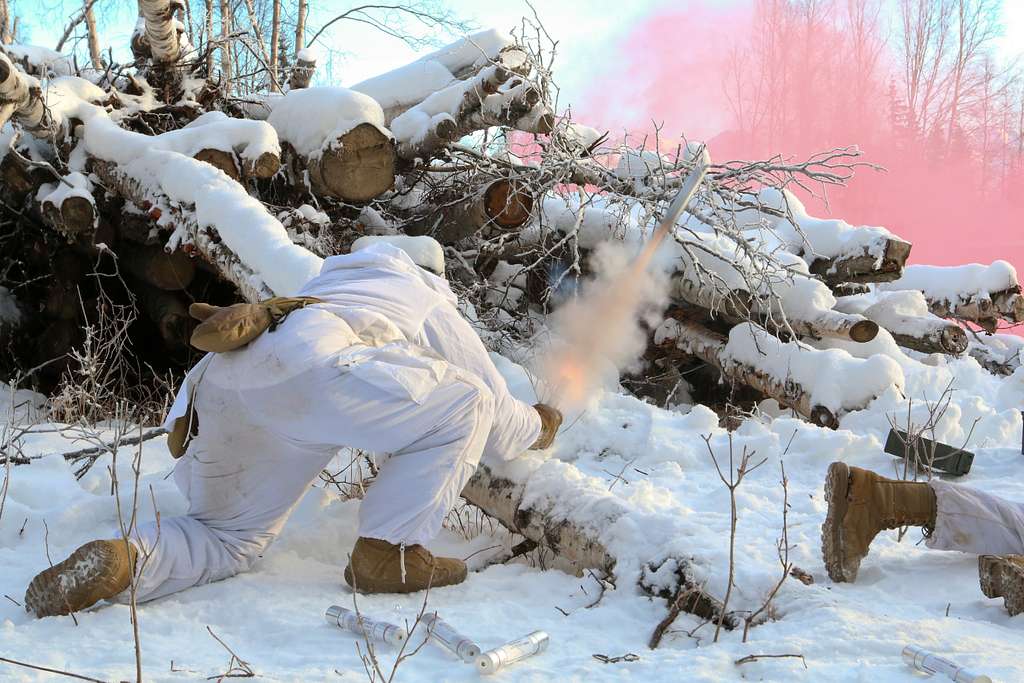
(98, 570)
(1002, 576)
(376, 567)
(862, 503)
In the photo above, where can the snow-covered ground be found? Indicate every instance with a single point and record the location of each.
(272, 617)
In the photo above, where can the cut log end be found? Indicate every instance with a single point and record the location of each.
(75, 216)
(864, 331)
(509, 204)
(823, 417)
(358, 169)
(78, 214)
(953, 340)
(265, 166)
(545, 124)
(221, 159)
(169, 272)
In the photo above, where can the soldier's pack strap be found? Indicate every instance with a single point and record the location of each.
(232, 327)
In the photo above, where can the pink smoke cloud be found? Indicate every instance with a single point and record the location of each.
(752, 85)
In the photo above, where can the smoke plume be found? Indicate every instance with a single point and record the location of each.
(602, 331)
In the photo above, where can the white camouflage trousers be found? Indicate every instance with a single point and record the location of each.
(973, 521)
(243, 479)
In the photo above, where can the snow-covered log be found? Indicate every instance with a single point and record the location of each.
(68, 205)
(907, 318)
(250, 285)
(39, 61)
(976, 293)
(302, 71)
(732, 304)
(21, 98)
(819, 385)
(710, 347)
(502, 204)
(736, 305)
(161, 29)
(835, 325)
(338, 137)
(833, 249)
(578, 524)
(467, 107)
(1000, 354)
(881, 262)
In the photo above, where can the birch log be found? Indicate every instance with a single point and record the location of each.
(251, 286)
(577, 535)
(504, 204)
(927, 334)
(23, 101)
(696, 340)
(737, 305)
(985, 309)
(865, 267)
(161, 29)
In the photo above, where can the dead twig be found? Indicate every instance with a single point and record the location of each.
(753, 658)
(628, 657)
(237, 667)
(59, 672)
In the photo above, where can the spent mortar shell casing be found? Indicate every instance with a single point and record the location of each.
(932, 664)
(377, 630)
(453, 641)
(518, 650)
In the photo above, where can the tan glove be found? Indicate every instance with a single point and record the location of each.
(550, 421)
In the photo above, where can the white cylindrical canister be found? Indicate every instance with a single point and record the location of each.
(509, 653)
(348, 620)
(453, 641)
(932, 664)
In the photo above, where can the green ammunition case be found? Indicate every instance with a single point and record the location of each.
(949, 460)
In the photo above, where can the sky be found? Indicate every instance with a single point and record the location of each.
(588, 33)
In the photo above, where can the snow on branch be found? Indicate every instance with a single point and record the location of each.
(401, 88)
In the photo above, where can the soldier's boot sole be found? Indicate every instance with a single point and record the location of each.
(1002, 576)
(840, 568)
(88, 575)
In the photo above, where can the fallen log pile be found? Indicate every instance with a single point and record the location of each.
(392, 156)
(164, 182)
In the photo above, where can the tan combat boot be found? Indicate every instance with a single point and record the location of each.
(376, 567)
(862, 503)
(1002, 576)
(98, 570)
